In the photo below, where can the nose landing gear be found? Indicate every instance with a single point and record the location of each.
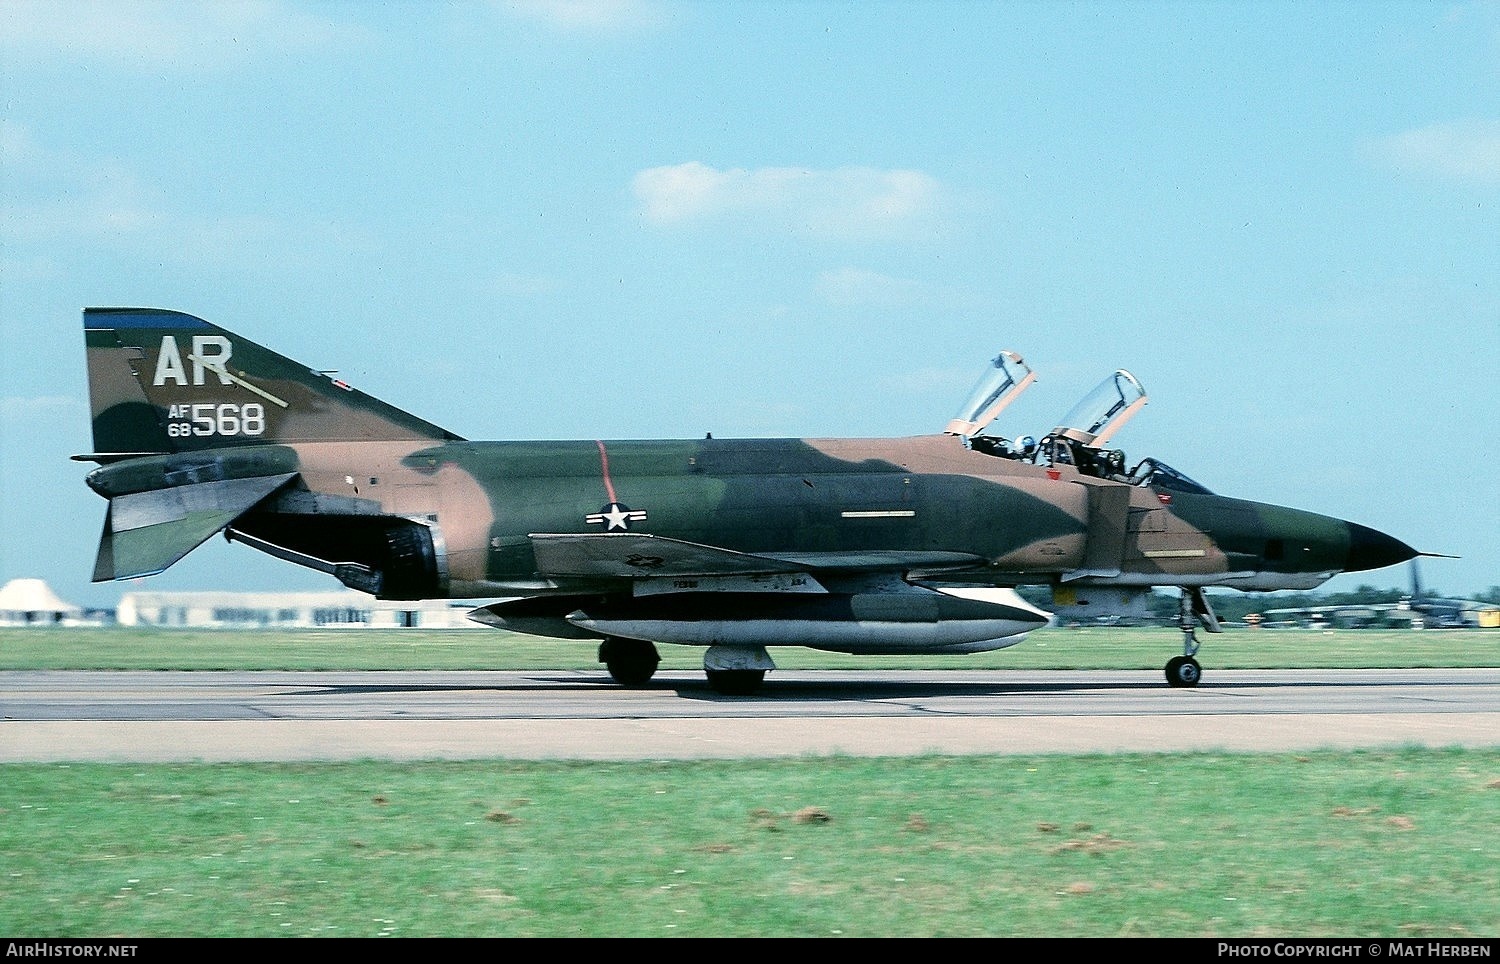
(1193, 610)
(1184, 670)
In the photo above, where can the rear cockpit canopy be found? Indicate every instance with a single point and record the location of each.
(1078, 440)
(1102, 412)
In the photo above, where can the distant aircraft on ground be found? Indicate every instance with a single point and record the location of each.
(1440, 612)
(904, 545)
(1417, 610)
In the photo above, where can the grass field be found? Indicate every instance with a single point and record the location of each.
(1371, 844)
(1397, 844)
(457, 649)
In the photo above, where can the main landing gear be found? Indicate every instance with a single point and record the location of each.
(736, 670)
(632, 662)
(1192, 610)
(735, 682)
(731, 670)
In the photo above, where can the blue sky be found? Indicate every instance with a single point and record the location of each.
(643, 219)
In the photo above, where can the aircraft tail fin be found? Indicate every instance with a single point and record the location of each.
(165, 382)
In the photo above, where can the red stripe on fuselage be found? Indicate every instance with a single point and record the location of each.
(609, 486)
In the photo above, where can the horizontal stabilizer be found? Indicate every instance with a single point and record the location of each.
(633, 555)
(146, 532)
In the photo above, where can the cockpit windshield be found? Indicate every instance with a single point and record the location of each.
(1163, 476)
(1002, 382)
(1104, 410)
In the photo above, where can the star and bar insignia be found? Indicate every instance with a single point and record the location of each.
(616, 516)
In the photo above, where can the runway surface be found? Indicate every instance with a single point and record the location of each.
(293, 716)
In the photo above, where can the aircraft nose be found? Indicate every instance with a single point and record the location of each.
(1372, 549)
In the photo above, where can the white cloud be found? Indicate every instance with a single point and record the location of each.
(586, 15)
(57, 197)
(164, 34)
(860, 288)
(129, 221)
(41, 409)
(513, 284)
(847, 203)
(1467, 150)
(928, 382)
(23, 156)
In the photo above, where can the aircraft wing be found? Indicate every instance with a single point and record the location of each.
(880, 560)
(633, 555)
(639, 555)
(736, 603)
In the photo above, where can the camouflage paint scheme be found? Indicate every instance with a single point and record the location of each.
(856, 545)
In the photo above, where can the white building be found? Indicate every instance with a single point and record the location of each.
(289, 610)
(31, 602)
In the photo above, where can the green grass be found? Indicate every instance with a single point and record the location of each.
(1397, 844)
(458, 649)
(1374, 844)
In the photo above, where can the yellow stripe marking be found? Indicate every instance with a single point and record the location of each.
(219, 369)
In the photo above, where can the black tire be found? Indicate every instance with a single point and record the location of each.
(1183, 671)
(736, 682)
(631, 662)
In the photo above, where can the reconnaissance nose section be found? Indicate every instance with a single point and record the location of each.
(1151, 526)
(1373, 549)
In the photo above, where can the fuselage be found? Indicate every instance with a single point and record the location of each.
(981, 519)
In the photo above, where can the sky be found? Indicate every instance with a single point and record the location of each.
(656, 219)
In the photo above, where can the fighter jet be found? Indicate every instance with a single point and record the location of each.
(861, 546)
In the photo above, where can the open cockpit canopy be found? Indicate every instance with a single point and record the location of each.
(1102, 412)
(1002, 383)
(1078, 440)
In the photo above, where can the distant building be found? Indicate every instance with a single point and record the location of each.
(288, 610)
(31, 602)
